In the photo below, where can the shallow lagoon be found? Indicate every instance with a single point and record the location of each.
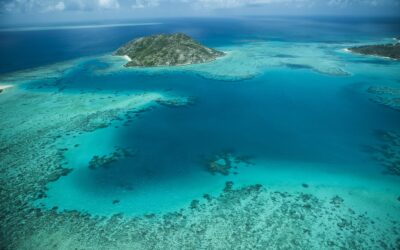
(333, 118)
(298, 107)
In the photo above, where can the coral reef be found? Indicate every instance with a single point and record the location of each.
(224, 162)
(249, 217)
(385, 95)
(244, 218)
(251, 59)
(29, 154)
(176, 102)
(105, 160)
(387, 152)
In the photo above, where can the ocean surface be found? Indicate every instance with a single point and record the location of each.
(287, 97)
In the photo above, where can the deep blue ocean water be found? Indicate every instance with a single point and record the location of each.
(48, 46)
(282, 115)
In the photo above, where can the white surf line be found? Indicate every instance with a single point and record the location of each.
(68, 27)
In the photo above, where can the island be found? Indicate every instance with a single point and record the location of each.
(166, 50)
(384, 50)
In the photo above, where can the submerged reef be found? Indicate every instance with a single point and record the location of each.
(30, 157)
(224, 163)
(106, 160)
(166, 50)
(249, 217)
(246, 217)
(176, 102)
(385, 95)
(384, 50)
(387, 152)
(250, 59)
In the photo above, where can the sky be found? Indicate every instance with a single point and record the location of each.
(48, 11)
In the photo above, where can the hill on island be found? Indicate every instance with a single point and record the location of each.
(166, 50)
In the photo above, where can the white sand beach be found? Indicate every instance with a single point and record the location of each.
(3, 87)
(127, 58)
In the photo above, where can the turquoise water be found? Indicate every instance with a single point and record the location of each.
(286, 119)
(291, 100)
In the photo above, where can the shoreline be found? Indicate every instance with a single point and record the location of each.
(126, 57)
(347, 50)
(4, 87)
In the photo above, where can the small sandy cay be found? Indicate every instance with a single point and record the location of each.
(4, 87)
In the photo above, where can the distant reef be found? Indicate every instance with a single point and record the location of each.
(384, 50)
(166, 50)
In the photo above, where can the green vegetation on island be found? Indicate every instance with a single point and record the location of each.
(384, 50)
(166, 50)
